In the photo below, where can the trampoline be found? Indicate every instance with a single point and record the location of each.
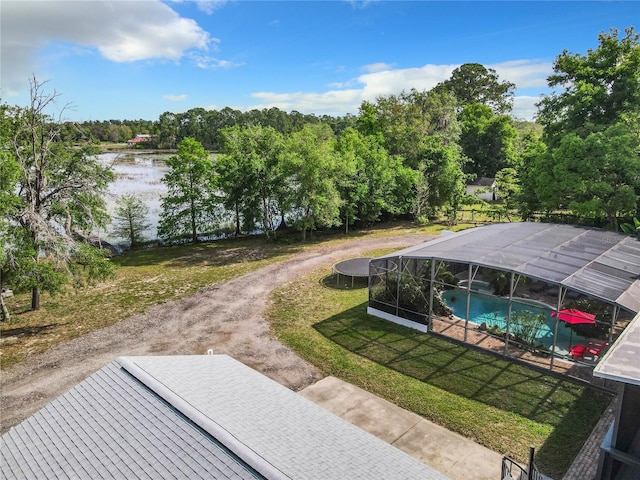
(354, 268)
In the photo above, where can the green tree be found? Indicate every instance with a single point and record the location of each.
(131, 219)
(508, 187)
(314, 168)
(251, 177)
(533, 149)
(403, 122)
(61, 188)
(595, 177)
(596, 89)
(189, 207)
(441, 181)
(369, 186)
(488, 140)
(591, 131)
(9, 203)
(474, 83)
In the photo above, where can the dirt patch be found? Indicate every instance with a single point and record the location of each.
(226, 318)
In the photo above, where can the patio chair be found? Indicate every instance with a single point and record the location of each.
(578, 351)
(595, 349)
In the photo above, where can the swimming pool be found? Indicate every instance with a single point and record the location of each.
(494, 310)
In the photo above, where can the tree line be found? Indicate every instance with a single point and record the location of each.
(405, 154)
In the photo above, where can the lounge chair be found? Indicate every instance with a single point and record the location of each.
(595, 349)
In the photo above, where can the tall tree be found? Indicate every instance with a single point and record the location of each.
(9, 204)
(61, 188)
(369, 186)
(312, 163)
(403, 122)
(595, 177)
(440, 186)
(131, 219)
(596, 89)
(592, 162)
(488, 140)
(190, 203)
(251, 176)
(474, 83)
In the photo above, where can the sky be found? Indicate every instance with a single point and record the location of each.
(135, 59)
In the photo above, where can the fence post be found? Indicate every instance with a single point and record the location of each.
(531, 468)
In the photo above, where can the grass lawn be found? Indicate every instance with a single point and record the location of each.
(501, 405)
(150, 277)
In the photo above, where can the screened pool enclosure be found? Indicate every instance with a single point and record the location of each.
(507, 279)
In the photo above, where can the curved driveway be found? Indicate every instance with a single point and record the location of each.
(226, 317)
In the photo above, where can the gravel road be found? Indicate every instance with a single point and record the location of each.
(226, 317)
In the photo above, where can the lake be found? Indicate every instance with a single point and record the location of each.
(137, 173)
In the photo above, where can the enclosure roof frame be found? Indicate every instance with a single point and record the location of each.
(601, 264)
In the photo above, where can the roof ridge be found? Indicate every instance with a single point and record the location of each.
(177, 401)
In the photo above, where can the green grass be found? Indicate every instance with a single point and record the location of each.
(148, 277)
(502, 406)
(499, 404)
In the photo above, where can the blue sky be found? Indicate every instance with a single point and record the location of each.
(129, 59)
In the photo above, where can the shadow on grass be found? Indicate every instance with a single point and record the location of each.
(26, 331)
(342, 282)
(256, 247)
(215, 253)
(571, 409)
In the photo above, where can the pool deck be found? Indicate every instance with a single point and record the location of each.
(454, 328)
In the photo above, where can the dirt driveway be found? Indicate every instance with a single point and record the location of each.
(226, 318)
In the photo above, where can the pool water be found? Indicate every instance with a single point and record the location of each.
(494, 311)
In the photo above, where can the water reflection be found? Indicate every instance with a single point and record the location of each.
(139, 174)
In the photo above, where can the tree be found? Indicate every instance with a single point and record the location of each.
(189, 206)
(61, 188)
(131, 219)
(508, 187)
(441, 181)
(595, 177)
(312, 163)
(592, 162)
(487, 139)
(369, 186)
(474, 83)
(532, 149)
(598, 88)
(9, 202)
(403, 122)
(251, 176)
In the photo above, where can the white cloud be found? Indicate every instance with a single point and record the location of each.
(387, 82)
(382, 79)
(377, 67)
(208, 62)
(524, 73)
(210, 6)
(331, 102)
(207, 6)
(175, 98)
(122, 31)
(524, 107)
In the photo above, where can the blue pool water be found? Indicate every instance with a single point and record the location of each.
(494, 310)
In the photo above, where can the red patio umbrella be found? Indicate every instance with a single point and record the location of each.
(573, 316)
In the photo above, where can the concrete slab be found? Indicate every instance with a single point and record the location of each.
(450, 453)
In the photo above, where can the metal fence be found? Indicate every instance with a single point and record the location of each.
(511, 470)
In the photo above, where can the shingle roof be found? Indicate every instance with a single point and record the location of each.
(152, 417)
(112, 426)
(599, 263)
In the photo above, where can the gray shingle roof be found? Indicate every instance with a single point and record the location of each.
(160, 417)
(112, 426)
